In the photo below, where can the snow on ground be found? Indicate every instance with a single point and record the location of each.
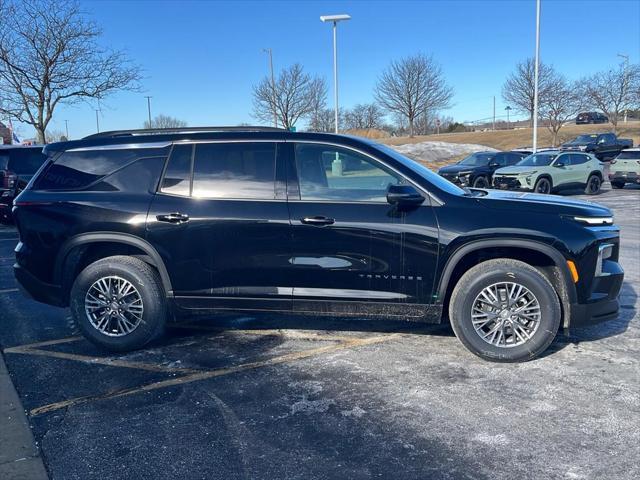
(439, 151)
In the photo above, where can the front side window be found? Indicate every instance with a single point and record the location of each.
(242, 170)
(332, 173)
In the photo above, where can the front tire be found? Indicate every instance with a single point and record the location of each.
(481, 182)
(543, 185)
(504, 310)
(118, 303)
(593, 185)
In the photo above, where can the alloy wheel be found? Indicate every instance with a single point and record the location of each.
(506, 314)
(594, 184)
(114, 306)
(543, 186)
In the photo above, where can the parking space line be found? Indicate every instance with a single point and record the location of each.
(57, 341)
(110, 362)
(9, 290)
(204, 375)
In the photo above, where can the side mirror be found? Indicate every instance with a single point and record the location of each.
(558, 164)
(494, 164)
(404, 196)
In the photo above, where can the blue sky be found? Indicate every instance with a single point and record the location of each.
(201, 58)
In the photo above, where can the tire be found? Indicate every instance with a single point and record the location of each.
(141, 302)
(481, 182)
(594, 183)
(617, 185)
(541, 323)
(543, 185)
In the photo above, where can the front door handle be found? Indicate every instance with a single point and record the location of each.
(318, 220)
(173, 218)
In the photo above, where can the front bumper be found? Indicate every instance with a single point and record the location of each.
(36, 289)
(510, 183)
(602, 304)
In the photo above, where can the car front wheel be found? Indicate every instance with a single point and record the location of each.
(118, 303)
(593, 185)
(505, 310)
(481, 182)
(543, 185)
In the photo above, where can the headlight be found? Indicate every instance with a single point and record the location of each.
(529, 173)
(594, 220)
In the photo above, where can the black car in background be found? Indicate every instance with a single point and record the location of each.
(135, 229)
(477, 169)
(18, 163)
(604, 146)
(591, 117)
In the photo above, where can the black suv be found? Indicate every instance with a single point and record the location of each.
(591, 117)
(477, 169)
(18, 163)
(133, 229)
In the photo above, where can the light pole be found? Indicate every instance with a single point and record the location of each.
(626, 79)
(97, 122)
(149, 108)
(273, 87)
(535, 80)
(508, 109)
(494, 112)
(335, 19)
(66, 128)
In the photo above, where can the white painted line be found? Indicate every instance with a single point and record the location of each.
(9, 290)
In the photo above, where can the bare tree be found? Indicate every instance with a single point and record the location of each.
(297, 95)
(613, 91)
(364, 117)
(561, 104)
(518, 90)
(49, 56)
(164, 121)
(53, 136)
(324, 120)
(413, 86)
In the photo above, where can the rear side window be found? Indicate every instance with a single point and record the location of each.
(81, 170)
(577, 159)
(177, 176)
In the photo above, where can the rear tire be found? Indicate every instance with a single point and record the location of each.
(118, 303)
(617, 185)
(522, 320)
(593, 185)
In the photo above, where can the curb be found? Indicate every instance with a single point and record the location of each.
(19, 456)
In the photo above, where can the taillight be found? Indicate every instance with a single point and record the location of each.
(7, 179)
(614, 161)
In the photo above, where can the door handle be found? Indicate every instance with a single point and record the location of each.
(318, 220)
(173, 218)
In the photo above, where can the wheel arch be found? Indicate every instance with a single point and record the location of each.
(556, 270)
(140, 248)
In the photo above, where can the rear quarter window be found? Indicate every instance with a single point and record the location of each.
(89, 169)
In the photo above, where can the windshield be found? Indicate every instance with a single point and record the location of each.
(478, 159)
(537, 160)
(421, 170)
(624, 155)
(585, 139)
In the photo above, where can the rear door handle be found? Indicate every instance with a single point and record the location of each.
(173, 218)
(318, 220)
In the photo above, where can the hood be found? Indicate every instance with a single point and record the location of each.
(534, 202)
(457, 168)
(514, 170)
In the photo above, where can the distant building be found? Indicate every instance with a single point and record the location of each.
(5, 135)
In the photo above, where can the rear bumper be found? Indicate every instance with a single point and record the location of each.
(36, 289)
(603, 302)
(624, 177)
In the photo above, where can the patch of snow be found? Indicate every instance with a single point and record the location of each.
(311, 406)
(439, 151)
(494, 440)
(354, 412)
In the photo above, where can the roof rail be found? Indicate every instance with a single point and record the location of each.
(165, 131)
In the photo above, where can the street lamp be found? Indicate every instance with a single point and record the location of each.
(335, 19)
(508, 109)
(535, 80)
(149, 109)
(626, 79)
(273, 87)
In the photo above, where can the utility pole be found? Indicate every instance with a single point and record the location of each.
(149, 108)
(97, 122)
(508, 109)
(335, 19)
(626, 79)
(535, 80)
(494, 112)
(273, 87)
(66, 128)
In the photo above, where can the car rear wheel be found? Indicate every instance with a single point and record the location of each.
(617, 185)
(481, 182)
(118, 303)
(543, 185)
(593, 185)
(505, 310)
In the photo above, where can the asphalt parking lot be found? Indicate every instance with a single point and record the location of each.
(266, 396)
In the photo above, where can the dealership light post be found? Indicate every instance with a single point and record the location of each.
(626, 79)
(66, 128)
(535, 80)
(508, 109)
(149, 109)
(273, 87)
(335, 19)
(97, 122)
